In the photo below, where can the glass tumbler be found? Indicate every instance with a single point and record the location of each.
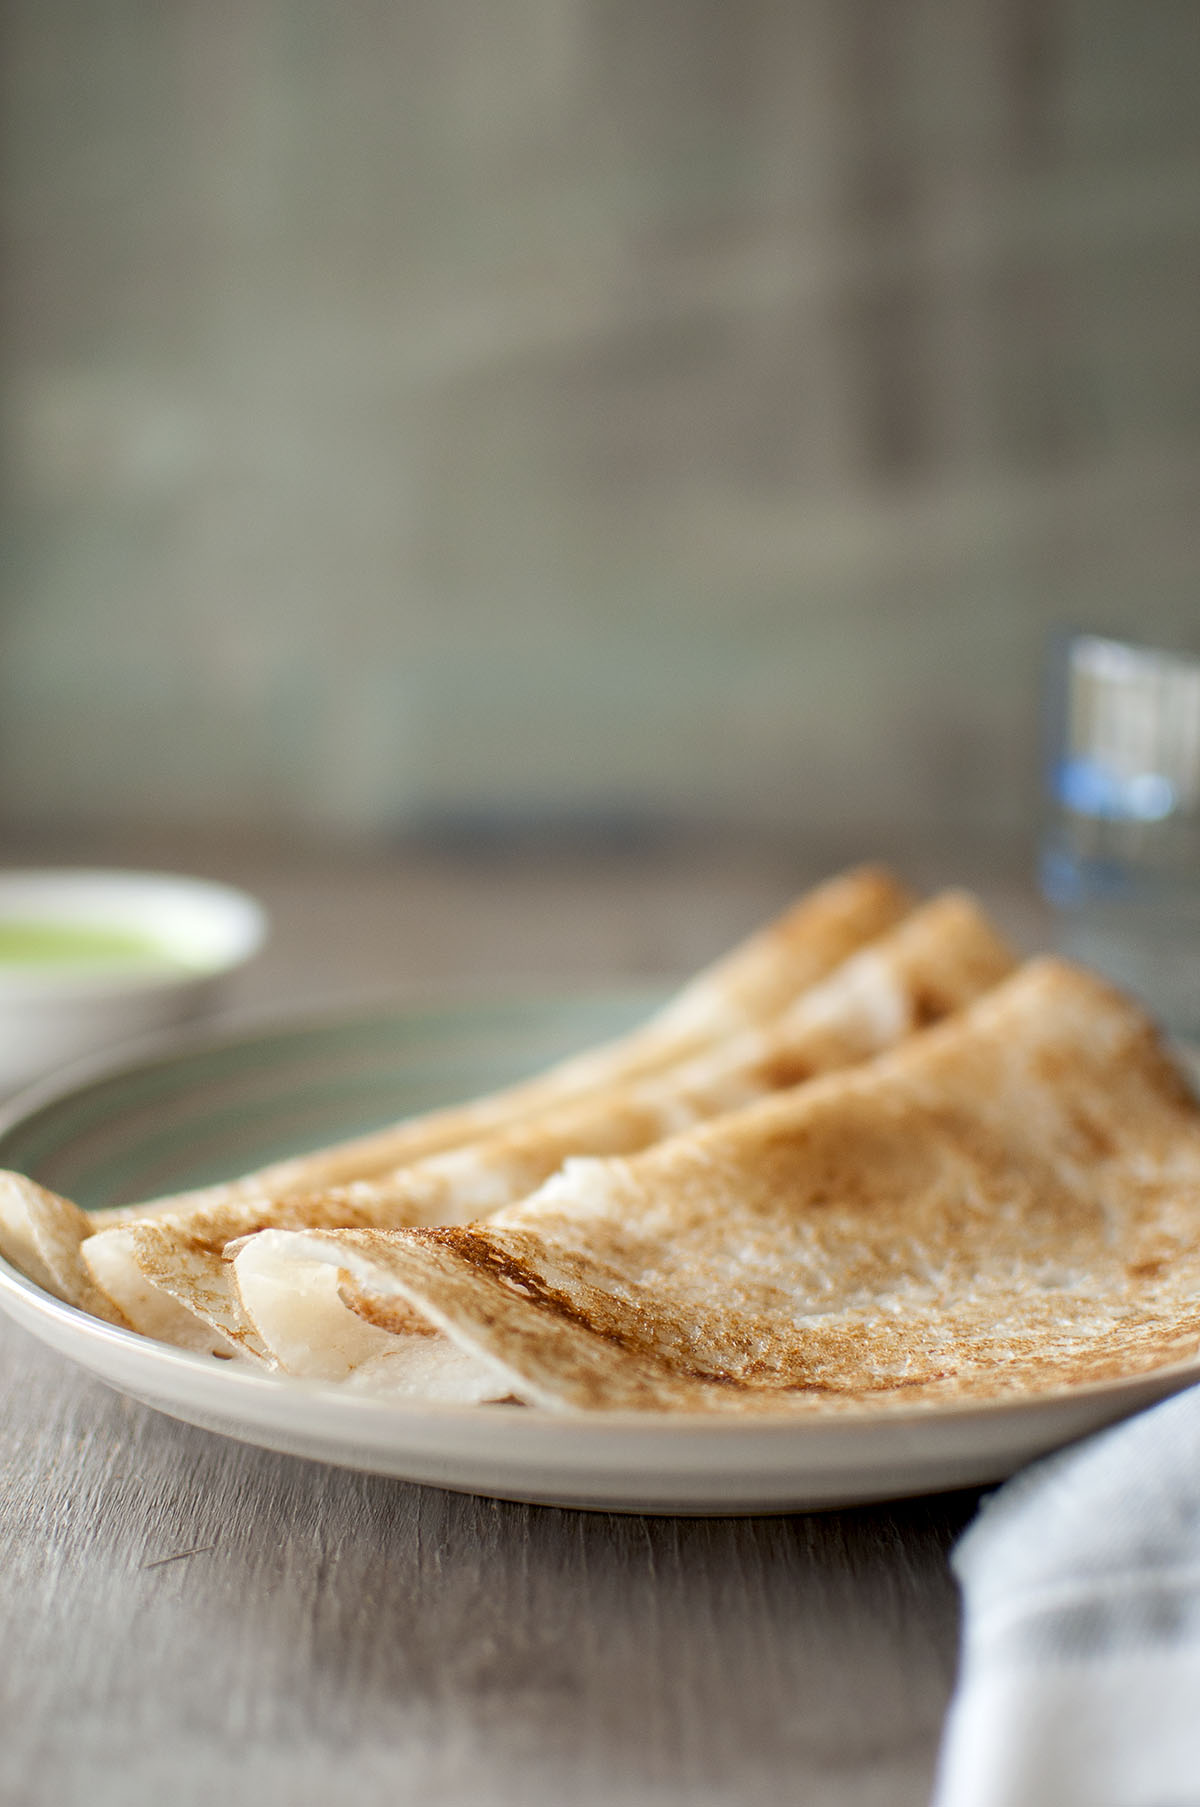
(1120, 857)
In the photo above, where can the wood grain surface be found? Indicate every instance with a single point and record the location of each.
(186, 1619)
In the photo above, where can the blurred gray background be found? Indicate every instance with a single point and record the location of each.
(460, 417)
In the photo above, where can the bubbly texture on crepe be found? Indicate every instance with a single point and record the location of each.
(1006, 1203)
(52, 1239)
(939, 958)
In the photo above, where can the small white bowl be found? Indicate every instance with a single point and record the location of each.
(89, 959)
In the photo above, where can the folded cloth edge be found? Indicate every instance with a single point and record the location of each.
(1079, 1672)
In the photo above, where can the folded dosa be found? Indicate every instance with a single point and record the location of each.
(939, 958)
(44, 1234)
(1006, 1203)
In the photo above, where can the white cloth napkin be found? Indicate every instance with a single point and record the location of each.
(1079, 1682)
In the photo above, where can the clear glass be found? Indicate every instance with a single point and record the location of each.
(1120, 855)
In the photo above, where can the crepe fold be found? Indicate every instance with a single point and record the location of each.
(1006, 1203)
(939, 957)
(51, 1239)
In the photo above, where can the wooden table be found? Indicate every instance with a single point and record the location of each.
(184, 1619)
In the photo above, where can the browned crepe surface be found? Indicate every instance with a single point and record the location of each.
(939, 958)
(132, 1274)
(1007, 1203)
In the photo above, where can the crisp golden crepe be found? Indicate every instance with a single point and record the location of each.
(759, 978)
(1006, 1204)
(938, 959)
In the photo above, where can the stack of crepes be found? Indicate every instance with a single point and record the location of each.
(864, 1159)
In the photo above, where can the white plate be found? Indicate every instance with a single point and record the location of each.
(223, 1106)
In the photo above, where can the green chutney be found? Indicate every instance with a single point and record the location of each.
(114, 947)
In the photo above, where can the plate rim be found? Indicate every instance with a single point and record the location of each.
(774, 1436)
